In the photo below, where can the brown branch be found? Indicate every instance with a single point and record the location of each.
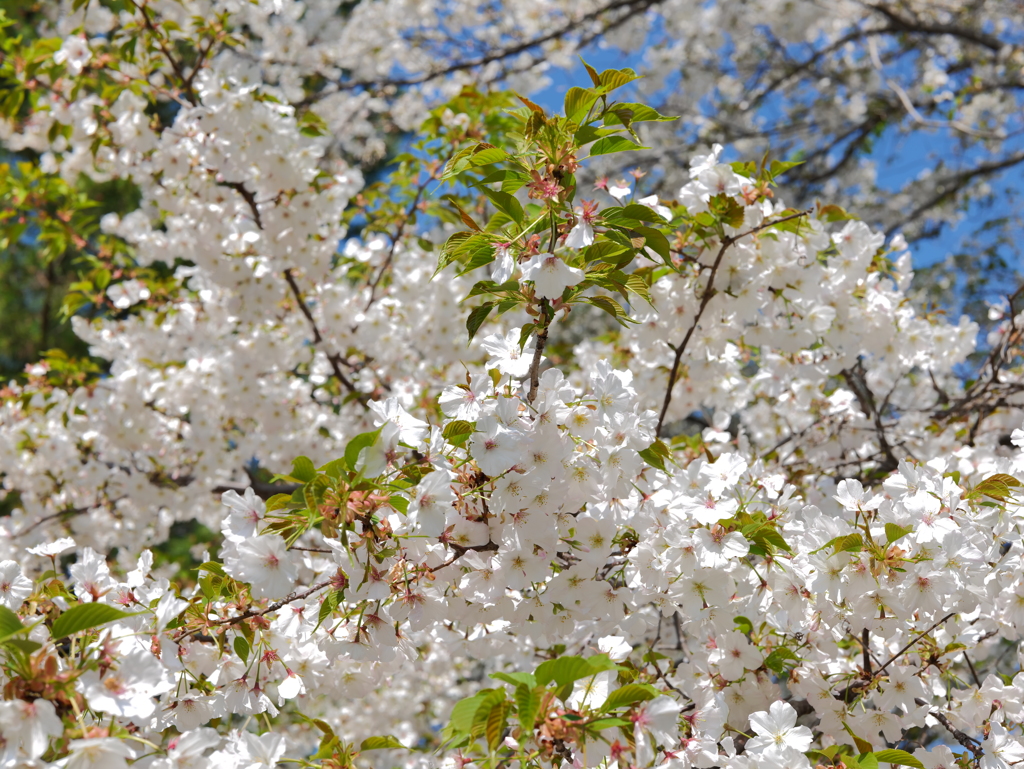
(631, 7)
(263, 490)
(956, 182)
(916, 26)
(855, 379)
(538, 352)
(288, 276)
(175, 64)
(333, 358)
(865, 644)
(709, 291)
(974, 673)
(899, 654)
(70, 513)
(968, 742)
(460, 551)
(249, 613)
(248, 197)
(399, 231)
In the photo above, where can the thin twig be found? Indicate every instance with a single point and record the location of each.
(865, 644)
(399, 231)
(709, 291)
(538, 351)
(248, 197)
(855, 379)
(175, 64)
(967, 741)
(249, 613)
(632, 7)
(974, 673)
(919, 636)
(333, 358)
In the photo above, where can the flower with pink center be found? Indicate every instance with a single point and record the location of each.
(265, 563)
(550, 275)
(14, 587)
(127, 691)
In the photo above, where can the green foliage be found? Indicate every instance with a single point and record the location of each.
(85, 616)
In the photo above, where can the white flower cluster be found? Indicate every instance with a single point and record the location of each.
(840, 544)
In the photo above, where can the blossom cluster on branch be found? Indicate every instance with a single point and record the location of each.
(687, 476)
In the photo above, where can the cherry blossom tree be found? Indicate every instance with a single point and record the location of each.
(441, 480)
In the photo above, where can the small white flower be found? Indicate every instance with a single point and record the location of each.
(778, 738)
(14, 586)
(550, 275)
(619, 190)
(580, 236)
(75, 52)
(129, 690)
(266, 564)
(54, 548)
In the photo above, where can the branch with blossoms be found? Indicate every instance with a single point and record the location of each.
(492, 517)
(709, 290)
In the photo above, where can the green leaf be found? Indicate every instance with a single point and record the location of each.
(611, 307)
(641, 113)
(652, 456)
(899, 757)
(727, 210)
(384, 742)
(657, 242)
(527, 705)
(213, 567)
(578, 102)
(629, 694)
(765, 536)
(894, 532)
(358, 444)
(241, 647)
(744, 625)
(997, 486)
(485, 154)
(10, 624)
(458, 432)
(563, 670)
(642, 213)
(516, 679)
(611, 79)
(465, 710)
(851, 543)
(478, 252)
(23, 644)
(303, 469)
(781, 659)
(778, 167)
(833, 213)
(457, 164)
(85, 616)
(211, 586)
(505, 203)
(606, 251)
(494, 724)
(610, 144)
(278, 502)
(589, 133)
(333, 469)
(594, 77)
(477, 317)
